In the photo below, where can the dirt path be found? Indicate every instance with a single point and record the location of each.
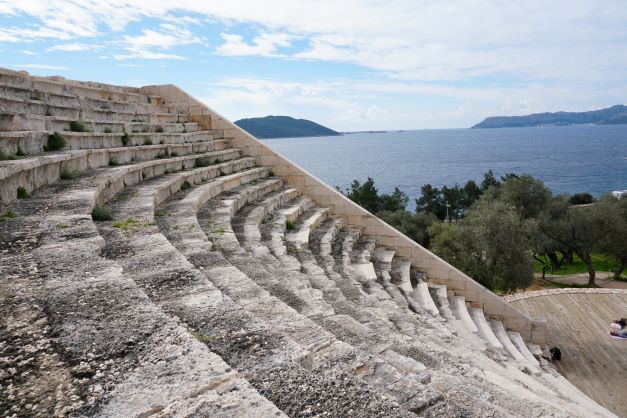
(603, 279)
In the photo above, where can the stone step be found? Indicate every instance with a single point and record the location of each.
(60, 98)
(422, 296)
(518, 342)
(534, 349)
(120, 353)
(84, 90)
(246, 223)
(32, 142)
(11, 121)
(32, 173)
(383, 258)
(38, 107)
(458, 306)
(484, 330)
(299, 237)
(501, 333)
(34, 105)
(440, 297)
(321, 238)
(273, 230)
(401, 275)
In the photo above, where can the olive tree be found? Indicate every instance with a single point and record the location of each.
(582, 228)
(492, 245)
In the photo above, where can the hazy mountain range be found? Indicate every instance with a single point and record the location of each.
(610, 116)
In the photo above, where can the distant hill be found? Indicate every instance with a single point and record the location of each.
(283, 127)
(611, 115)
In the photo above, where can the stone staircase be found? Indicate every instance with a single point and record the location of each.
(227, 281)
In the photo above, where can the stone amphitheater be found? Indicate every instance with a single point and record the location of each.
(228, 281)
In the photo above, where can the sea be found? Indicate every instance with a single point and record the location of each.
(569, 159)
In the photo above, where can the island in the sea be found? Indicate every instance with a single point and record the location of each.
(283, 127)
(614, 115)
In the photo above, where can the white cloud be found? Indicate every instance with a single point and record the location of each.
(73, 47)
(169, 36)
(42, 67)
(265, 44)
(416, 40)
(27, 52)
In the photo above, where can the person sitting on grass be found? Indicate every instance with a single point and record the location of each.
(619, 328)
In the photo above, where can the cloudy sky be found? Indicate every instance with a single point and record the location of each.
(349, 64)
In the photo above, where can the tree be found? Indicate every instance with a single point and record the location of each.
(459, 199)
(430, 201)
(365, 195)
(615, 241)
(414, 225)
(528, 195)
(397, 201)
(489, 179)
(581, 199)
(492, 245)
(581, 228)
(472, 193)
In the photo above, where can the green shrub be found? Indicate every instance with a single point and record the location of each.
(102, 213)
(48, 112)
(126, 139)
(290, 225)
(107, 130)
(270, 173)
(203, 162)
(113, 162)
(174, 154)
(77, 126)
(22, 193)
(186, 185)
(145, 129)
(55, 142)
(159, 129)
(4, 156)
(161, 155)
(147, 142)
(20, 152)
(67, 174)
(35, 98)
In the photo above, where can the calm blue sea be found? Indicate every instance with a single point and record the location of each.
(568, 159)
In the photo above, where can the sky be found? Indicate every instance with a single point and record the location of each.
(349, 64)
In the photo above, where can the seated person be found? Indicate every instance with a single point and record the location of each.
(619, 328)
